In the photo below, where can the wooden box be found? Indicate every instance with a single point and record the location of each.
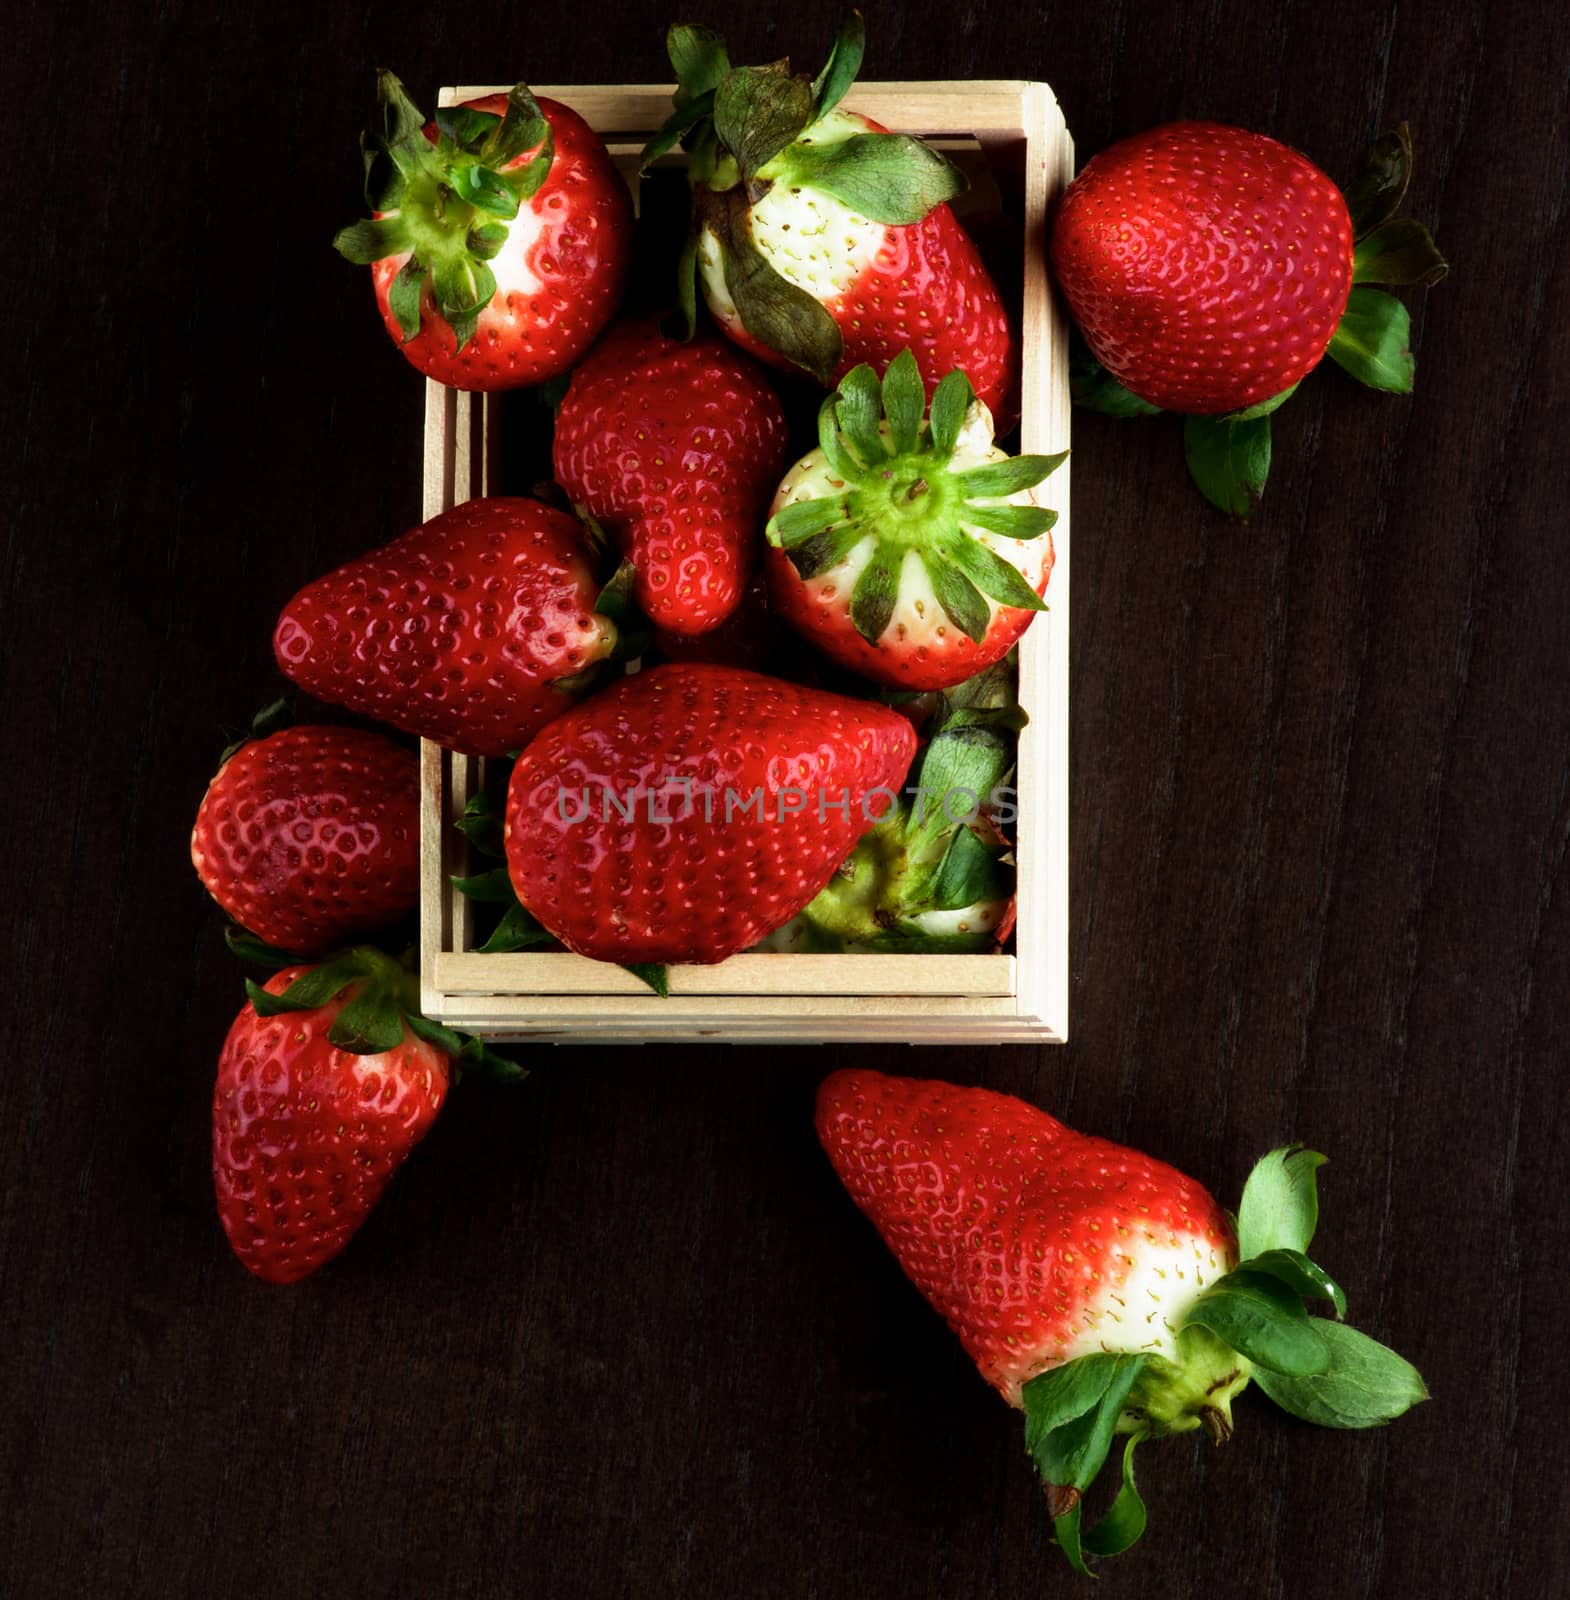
(1011, 137)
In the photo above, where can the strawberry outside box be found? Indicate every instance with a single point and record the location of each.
(1011, 140)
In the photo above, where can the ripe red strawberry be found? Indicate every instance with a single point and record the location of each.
(311, 836)
(823, 240)
(676, 449)
(328, 1079)
(1206, 266)
(501, 237)
(470, 629)
(915, 555)
(691, 809)
(1097, 1289)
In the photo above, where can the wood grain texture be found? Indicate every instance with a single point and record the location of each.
(621, 1333)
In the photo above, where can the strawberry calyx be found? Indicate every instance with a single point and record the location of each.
(936, 874)
(383, 1003)
(446, 202)
(1250, 1325)
(896, 490)
(748, 129)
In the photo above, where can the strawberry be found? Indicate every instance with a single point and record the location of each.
(1206, 266)
(675, 448)
(691, 809)
(311, 835)
(1210, 269)
(472, 629)
(915, 555)
(822, 240)
(501, 237)
(1099, 1290)
(327, 1080)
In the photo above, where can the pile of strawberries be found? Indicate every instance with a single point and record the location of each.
(738, 696)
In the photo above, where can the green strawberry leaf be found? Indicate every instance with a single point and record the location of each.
(247, 947)
(1373, 341)
(832, 442)
(1280, 1205)
(826, 549)
(758, 111)
(1124, 1524)
(997, 480)
(1063, 1393)
(1264, 407)
(839, 71)
(969, 874)
(483, 189)
(1011, 521)
(403, 297)
(991, 573)
(1376, 194)
(1365, 1385)
(802, 520)
(859, 411)
(887, 177)
(1401, 253)
(492, 888)
(1069, 1453)
(950, 402)
(369, 1025)
(486, 241)
(774, 311)
(517, 930)
(655, 974)
(675, 128)
(464, 126)
(311, 989)
(904, 402)
(877, 588)
(1302, 1276)
(373, 239)
(1065, 1529)
(961, 600)
(1229, 459)
(523, 127)
(698, 58)
(963, 755)
(1261, 1318)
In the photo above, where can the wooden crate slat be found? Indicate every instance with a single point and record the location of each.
(814, 975)
(1009, 131)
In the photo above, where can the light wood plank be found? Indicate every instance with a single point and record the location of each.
(970, 999)
(808, 977)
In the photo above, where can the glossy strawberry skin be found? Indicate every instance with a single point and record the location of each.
(1206, 266)
(306, 1136)
(559, 278)
(675, 448)
(689, 883)
(456, 631)
(311, 836)
(1017, 1229)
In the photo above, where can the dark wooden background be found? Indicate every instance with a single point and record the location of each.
(621, 1334)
